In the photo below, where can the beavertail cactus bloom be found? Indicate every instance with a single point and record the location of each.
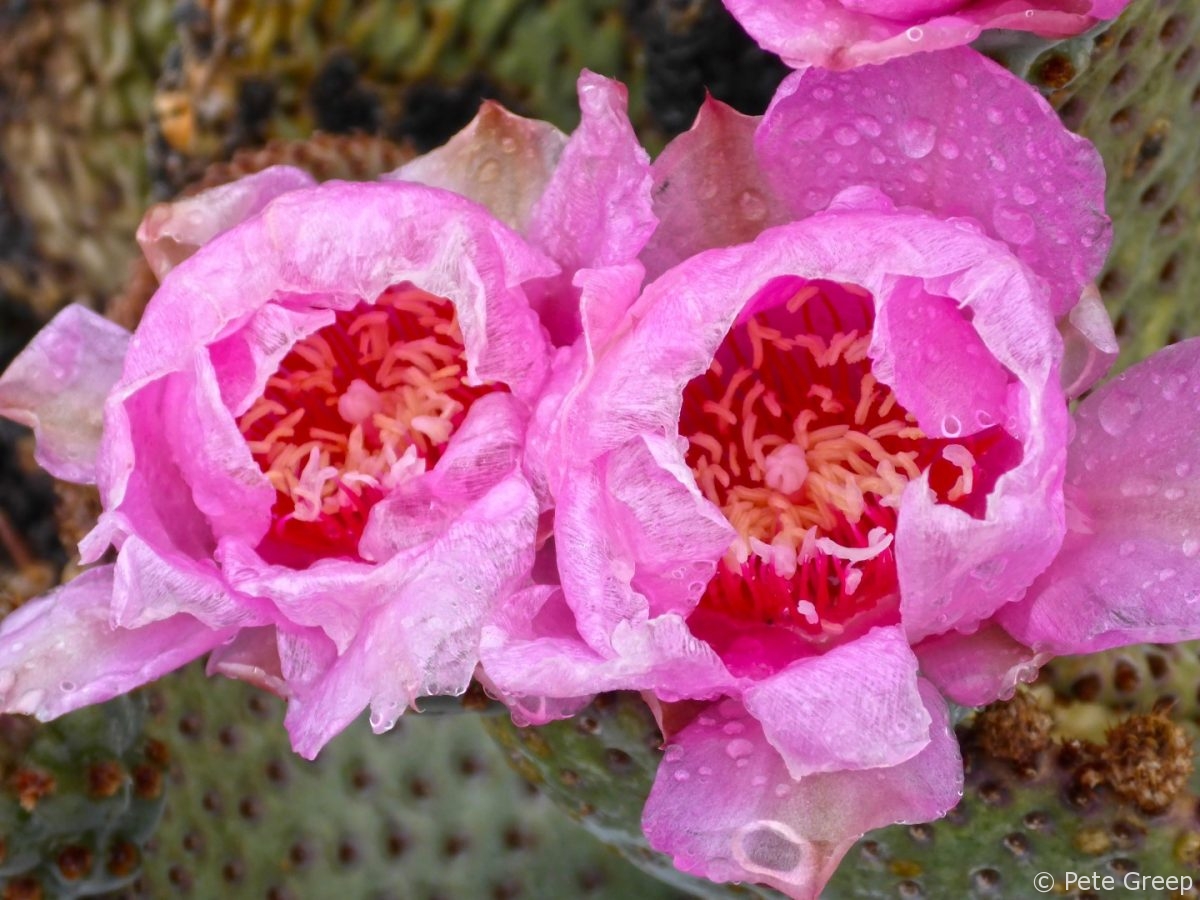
(842, 34)
(812, 477)
(310, 450)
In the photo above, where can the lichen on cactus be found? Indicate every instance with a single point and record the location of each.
(78, 799)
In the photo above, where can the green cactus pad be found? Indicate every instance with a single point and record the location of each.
(429, 810)
(78, 798)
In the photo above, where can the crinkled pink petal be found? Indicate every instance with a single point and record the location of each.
(60, 652)
(171, 232)
(632, 526)
(709, 189)
(855, 706)
(57, 387)
(725, 807)
(979, 668)
(224, 480)
(485, 449)
(596, 209)
(842, 34)
(1127, 571)
(424, 639)
(1089, 343)
(970, 139)
(534, 656)
(253, 657)
(148, 588)
(931, 356)
(500, 160)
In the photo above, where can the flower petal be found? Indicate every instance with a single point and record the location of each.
(59, 652)
(864, 695)
(424, 640)
(171, 232)
(1127, 572)
(532, 653)
(252, 657)
(500, 160)
(1089, 343)
(979, 668)
(725, 807)
(970, 140)
(709, 189)
(57, 386)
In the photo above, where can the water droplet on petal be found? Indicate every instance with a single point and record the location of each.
(1013, 224)
(488, 171)
(732, 728)
(1190, 548)
(738, 748)
(1174, 493)
(67, 686)
(1181, 469)
(846, 136)
(948, 149)
(1117, 412)
(681, 775)
(753, 206)
(951, 426)
(868, 125)
(914, 34)
(917, 137)
(1024, 195)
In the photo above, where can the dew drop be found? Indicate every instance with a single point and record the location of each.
(917, 137)
(488, 171)
(739, 748)
(508, 144)
(782, 790)
(754, 207)
(948, 149)
(1181, 469)
(1117, 412)
(868, 125)
(1190, 547)
(674, 753)
(732, 728)
(995, 115)
(681, 775)
(846, 136)
(1174, 493)
(758, 780)
(823, 94)
(67, 686)
(705, 771)
(1024, 195)
(1013, 224)
(914, 34)
(951, 426)
(708, 189)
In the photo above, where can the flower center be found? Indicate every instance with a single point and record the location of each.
(807, 455)
(354, 410)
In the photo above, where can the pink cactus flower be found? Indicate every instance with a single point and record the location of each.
(842, 34)
(812, 476)
(310, 452)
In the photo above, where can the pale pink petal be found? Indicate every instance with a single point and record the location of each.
(171, 232)
(424, 639)
(252, 657)
(149, 588)
(596, 208)
(842, 34)
(970, 140)
(979, 668)
(724, 806)
(57, 387)
(709, 189)
(484, 450)
(534, 657)
(500, 160)
(1128, 570)
(855, 706)
(1089, 343)
(60, 652)
(635, 539)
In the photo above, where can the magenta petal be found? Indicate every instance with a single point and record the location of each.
(972, 141)
(864, 696)
(1089, 344)
(709, 189)
(979, 668)
(533, 655)
(725, 807)
(149, 588)
(1127, 572)
(596, 209)
(57, 386)
(422, 639)
(253, 657)
(171, 232)
(500, 160)
(60, 652)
